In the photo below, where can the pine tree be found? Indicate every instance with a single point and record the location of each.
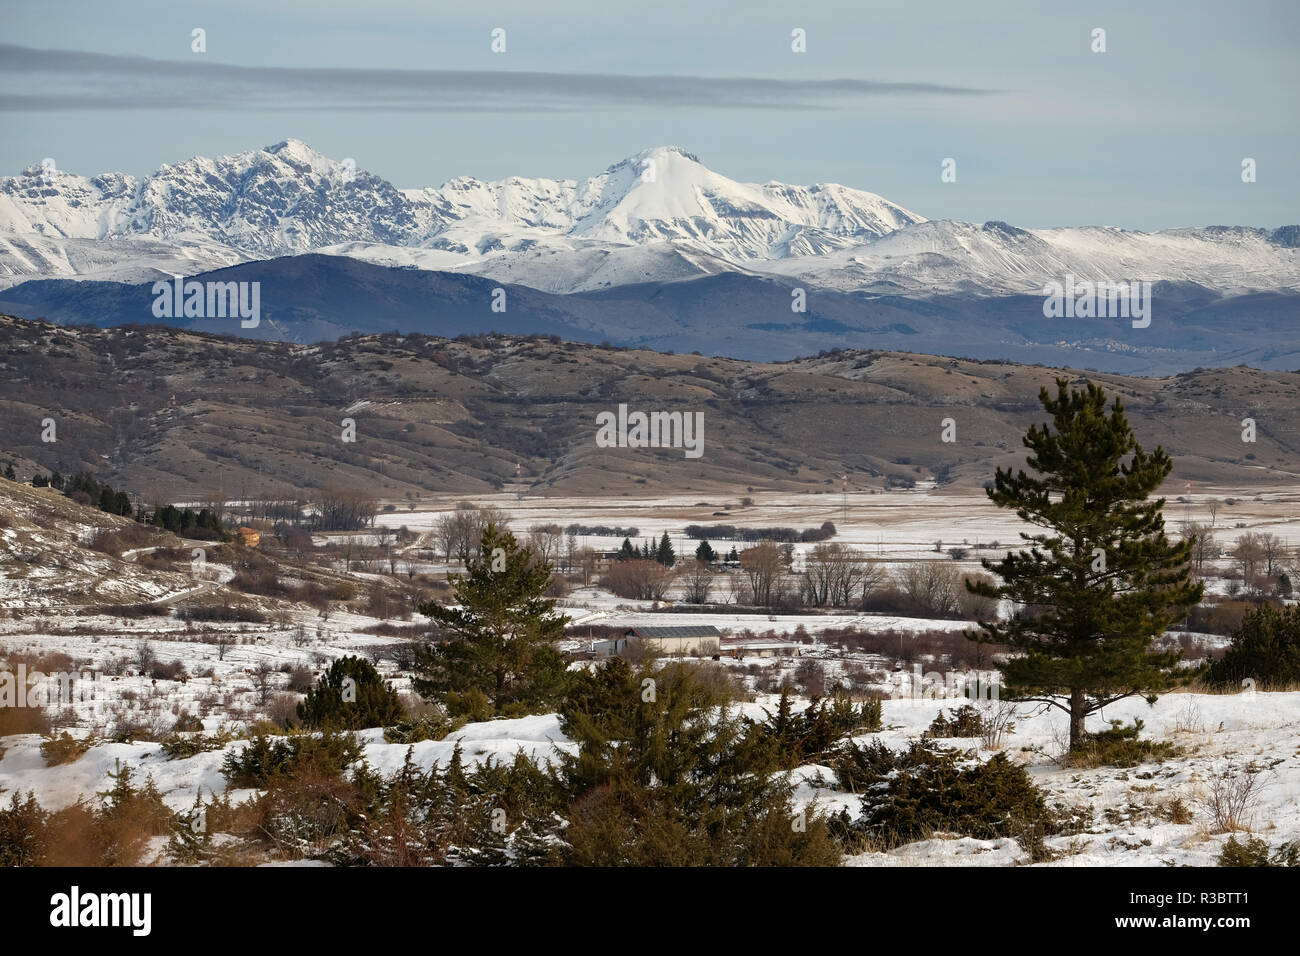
(705, 554)
(351, 695)
(501, 630)
(1105, 582)
(665, 555)
(627, 552)
(10, 473)
(663, 775)
(732, 556)
(1265, 649)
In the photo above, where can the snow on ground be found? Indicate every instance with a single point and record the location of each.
(585, 607)
(22, 768)
(899, 524)
(1218, 733)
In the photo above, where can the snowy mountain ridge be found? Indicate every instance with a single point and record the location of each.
(660, 215)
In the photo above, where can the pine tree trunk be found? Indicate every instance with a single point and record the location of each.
(1077, 715)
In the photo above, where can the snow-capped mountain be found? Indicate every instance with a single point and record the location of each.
(280, 200)
(289, 199)
(668, 195)
(996, 258)
(658, 216)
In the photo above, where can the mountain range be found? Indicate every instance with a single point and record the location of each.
(657, 250)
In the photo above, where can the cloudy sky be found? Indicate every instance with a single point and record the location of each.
(1149, 134)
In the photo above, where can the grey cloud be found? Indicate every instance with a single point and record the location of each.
(75, 80)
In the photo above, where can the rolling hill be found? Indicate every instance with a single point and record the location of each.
(175, 413)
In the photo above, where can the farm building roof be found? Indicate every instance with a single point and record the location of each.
(704, 630)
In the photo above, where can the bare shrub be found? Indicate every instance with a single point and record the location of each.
(1188, 720)
(115, 541)
(301, 679)
(997, 720)
(283, 709)
(1233, 797)
(811, 677)
(173, 671)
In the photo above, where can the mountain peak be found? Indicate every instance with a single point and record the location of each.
(300, 155)
(661, 152)
(291, 148)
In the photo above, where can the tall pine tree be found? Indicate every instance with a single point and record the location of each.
(665, 555)
(500, 632)
(1104, 582)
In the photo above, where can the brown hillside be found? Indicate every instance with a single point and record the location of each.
(175, 414)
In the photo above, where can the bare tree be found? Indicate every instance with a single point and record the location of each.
(838, 575)
(1212, 506)
(639, 579)
(932, 586)
(1249, 555)
(1272, 552)
(460, 532)
(263, 679)
(1204, 548)
(763, 565)
(698, 578)
(546, 541)
(587, 562)
(443, 536)
(216, 504)
(821, 570)
(345, 509)
(1292, 567)
(144, 657)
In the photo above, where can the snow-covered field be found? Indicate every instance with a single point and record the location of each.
(900, 525)
(1219, 733)
(51, 609)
